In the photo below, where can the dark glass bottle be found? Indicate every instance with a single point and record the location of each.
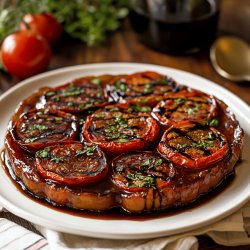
(175, 26)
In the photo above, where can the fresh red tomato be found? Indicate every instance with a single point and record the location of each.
(45, 25)
(25, 54)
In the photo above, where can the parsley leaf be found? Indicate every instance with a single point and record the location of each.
(140, 180)
(43, 153)
(88, 150)
(213, 123)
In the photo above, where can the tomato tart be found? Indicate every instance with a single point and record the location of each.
(140, 143)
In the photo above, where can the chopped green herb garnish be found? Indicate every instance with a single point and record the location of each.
(213, 123)
(140, 180)
(151, 161)
(198, 145)
(144, 100)
(203, 144)
(58, 118)
(192, 111)
(119, 169)
(81, 106)
(146, 163)
(120, 120)
(86, 105)
(158, 162)
(136, 108)
(145, 109)
(46, 111)
(114, 109)
(31, 139)
(115, 136)
(118, 115)
(96, 81)
(120, 86)
(50, 93)
(43, 153)
(148, 89)
(81, 121)
(99, 94)
(123, 140)
(99, 115)
(210, 136)
(163, 80)
(110, 129)
(39, 127)
(179, 100)
(88, 150)
(56, 159)
(73, 90)
(181, 146)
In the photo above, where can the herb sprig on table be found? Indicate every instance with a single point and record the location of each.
(87, 20)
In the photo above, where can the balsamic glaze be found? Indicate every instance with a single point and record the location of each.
(116, 213)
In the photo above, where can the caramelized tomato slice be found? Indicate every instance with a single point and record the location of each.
(121, 128)
(139, 171)
(39, 128)
(72, 164)
(75, 97)
(144, 87)
(192, 145)
(186, 105)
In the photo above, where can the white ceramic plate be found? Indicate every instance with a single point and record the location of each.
(231, 199)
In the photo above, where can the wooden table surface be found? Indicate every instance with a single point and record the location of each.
(123, 46)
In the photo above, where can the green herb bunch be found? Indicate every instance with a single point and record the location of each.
(87, 20)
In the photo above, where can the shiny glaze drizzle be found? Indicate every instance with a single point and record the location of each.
(88, 170)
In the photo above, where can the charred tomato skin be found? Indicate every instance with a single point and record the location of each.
(39, 128)
(143, 87)
(72, 164)
(141, 170)
(118, 128)
(77, 96)
(192, 145)
(185, 105)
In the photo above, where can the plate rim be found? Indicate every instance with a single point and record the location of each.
(24, 214)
